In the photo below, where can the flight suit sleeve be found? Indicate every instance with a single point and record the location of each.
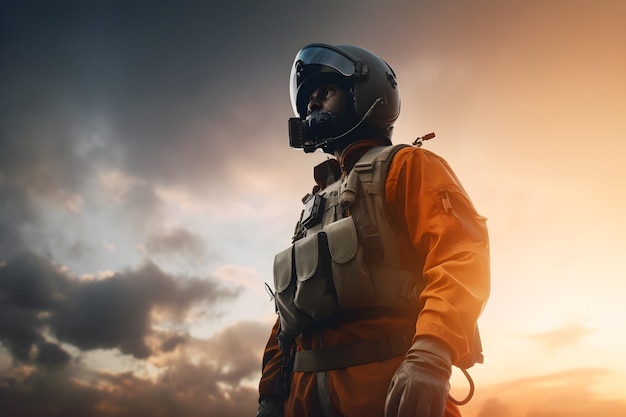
(427, 199)
(272, 365)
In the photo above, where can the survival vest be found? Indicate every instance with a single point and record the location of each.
(346, 255)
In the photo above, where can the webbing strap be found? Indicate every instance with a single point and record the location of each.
(323, 392)
(354, 353)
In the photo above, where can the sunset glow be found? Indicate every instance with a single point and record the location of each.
(146, 183)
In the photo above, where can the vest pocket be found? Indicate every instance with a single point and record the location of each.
(315, 294)
(321, 275)
(292, 320)
(351, 278)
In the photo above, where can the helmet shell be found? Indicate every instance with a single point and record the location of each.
(366, 74)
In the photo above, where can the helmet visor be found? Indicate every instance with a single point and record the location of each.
(316, 59)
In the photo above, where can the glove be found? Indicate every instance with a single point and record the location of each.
(420, 386)
(270, 408)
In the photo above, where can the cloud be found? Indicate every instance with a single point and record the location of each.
(566, 336)
(173, 341)
(15, 211)
(568, 393)
(52, 355)
(116, 312)
(209, 385)
(48, 318)
(192, 99)
(239, 275)
(177, 241)
(236, 350)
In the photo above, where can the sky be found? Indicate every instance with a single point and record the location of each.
(146, 183)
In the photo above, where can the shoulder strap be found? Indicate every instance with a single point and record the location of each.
(365, 170)
(382, 154)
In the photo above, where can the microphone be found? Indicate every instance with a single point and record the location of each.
(366, 116)
(299, 130)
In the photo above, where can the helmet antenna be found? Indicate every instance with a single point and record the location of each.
(419, 141)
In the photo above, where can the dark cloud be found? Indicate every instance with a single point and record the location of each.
(15, 211)
(52, 355)
(142, 205)
(210, 387)
(110, 313)
(40, 300)
(29, 285)
(20, 330)
(237, 348)
(177, 241)
(170, 343)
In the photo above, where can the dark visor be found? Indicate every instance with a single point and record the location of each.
(330, 56)
(325, 56)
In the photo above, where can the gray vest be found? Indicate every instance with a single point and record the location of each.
(346, 258)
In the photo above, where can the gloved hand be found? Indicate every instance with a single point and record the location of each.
(420, 386)
(270, 408)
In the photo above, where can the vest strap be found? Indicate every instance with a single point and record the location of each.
(359, 352)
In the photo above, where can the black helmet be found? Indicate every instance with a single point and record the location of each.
(369, 77)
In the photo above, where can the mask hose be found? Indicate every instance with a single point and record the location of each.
(300, 130)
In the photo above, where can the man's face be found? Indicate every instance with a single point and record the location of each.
(328, 98)
(331, 115)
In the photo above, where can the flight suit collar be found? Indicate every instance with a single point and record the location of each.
(353, 152)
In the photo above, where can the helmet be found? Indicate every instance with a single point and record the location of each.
(369, 77)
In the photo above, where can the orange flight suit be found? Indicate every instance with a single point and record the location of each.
(425, 197)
